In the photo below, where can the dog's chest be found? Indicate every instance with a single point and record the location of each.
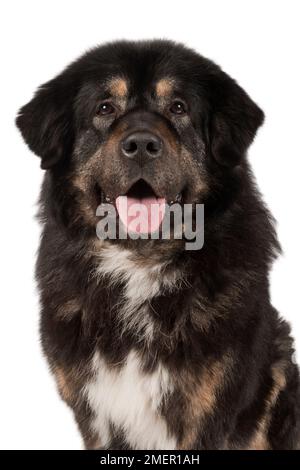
(126, 398)
(131, 400)
(139, 282)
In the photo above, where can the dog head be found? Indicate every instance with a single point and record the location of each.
(146, 121)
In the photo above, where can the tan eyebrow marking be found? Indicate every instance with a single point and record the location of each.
(164, 87)
(118, 87)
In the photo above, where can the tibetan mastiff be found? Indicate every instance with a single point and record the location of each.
(152, 345)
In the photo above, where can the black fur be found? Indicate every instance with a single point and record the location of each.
(223, 308)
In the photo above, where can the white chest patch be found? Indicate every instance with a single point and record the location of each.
(130, 399)
(142, 282)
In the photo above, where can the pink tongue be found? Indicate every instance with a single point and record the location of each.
(141, 215)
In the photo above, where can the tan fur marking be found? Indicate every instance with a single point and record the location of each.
(68, 309)
(202, 398)
(81, 181)
(164, 87)
(93, 443)
(118, 87)
(62, 385)
(168, 137)
(259, 441)
(83, 178)
(114, 139)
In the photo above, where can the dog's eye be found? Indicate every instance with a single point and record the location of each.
(178, 107)
(105, 109)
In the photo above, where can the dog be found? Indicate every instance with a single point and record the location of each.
(154, 346)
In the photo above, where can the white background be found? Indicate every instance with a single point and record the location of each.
(255, 41)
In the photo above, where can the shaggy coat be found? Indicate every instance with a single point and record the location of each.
(151, 345)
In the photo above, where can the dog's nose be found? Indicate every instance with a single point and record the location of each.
(142, 146)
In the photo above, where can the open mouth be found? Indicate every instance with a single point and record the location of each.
(141, 210)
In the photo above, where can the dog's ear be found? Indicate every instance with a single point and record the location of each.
(46, 122)
(234, 121)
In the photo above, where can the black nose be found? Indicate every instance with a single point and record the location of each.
(142, 146)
